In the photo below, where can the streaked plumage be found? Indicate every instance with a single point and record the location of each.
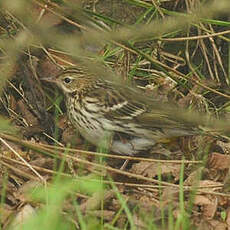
(102, 112)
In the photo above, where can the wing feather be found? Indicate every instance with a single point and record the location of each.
(115, 105)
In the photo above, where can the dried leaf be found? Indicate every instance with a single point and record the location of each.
(26, 212)
(208, 203)
(194, 177)
(228, 217)
(150, 169)
(219, 161)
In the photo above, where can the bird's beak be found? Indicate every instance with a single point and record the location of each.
(48, 79)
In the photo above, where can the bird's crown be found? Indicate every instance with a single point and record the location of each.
(73, 80)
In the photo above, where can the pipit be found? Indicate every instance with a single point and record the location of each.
(104, 114)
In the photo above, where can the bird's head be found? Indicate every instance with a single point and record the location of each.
(71, 81)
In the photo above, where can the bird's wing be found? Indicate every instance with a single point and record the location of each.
(162, 119)
(114, 104)
(117, 106)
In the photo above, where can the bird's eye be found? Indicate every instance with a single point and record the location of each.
(67, 80)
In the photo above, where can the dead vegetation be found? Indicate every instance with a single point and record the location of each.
(174, 51)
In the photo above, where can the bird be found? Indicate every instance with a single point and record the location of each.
(107, 114)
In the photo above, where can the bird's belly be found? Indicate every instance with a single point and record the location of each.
(126, 139)
(132, 146)
(90, 127)
(99, 135)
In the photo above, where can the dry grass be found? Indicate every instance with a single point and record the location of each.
(174, 51)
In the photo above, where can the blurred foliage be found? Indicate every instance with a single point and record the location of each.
(177, 49)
